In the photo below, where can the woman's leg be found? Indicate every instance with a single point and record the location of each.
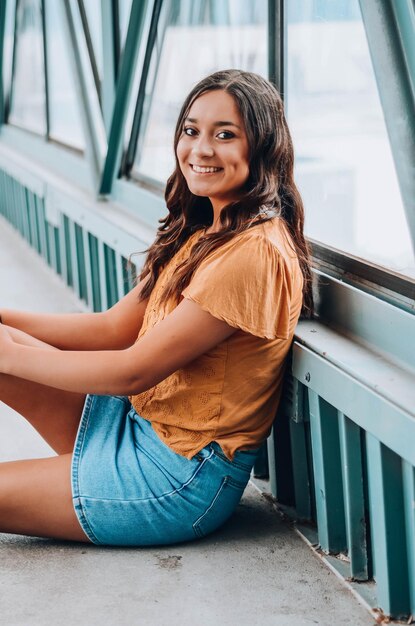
(55, 414)
(36, 495)
(36, 499)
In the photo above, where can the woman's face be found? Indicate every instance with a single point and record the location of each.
(213, 148)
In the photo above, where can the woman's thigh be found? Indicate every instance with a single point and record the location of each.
(36, 499)
(54, 413)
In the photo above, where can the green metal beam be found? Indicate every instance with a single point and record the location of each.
(122, 99)
(109, 27)
(2, 34)
(390, 31)
(92, 121)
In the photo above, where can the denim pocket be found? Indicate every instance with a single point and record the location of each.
(221, 508)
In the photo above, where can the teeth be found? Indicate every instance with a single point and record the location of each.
(205, 170)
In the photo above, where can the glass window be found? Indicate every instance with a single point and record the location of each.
(28, 104)
(64, 115)
(344, 165)
(194, 39)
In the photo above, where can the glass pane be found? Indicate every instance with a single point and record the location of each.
(65, 121)
(28, 107)
(93, 12)
(345, 169)
(195, 38)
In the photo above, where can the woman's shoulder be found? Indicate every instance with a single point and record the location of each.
(271, 236)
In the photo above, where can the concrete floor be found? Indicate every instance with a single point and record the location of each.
(254, 571)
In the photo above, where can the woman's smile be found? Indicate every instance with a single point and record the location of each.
(202, 169)
(213, 149)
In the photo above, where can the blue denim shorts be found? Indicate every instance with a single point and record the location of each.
(130, 489)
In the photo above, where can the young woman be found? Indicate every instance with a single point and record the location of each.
(156, 408)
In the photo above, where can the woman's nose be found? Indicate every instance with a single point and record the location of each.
(203, 147)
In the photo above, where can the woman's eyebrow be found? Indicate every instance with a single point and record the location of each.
(193, 120)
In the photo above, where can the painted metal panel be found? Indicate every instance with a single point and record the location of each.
(387, 527)
(327, 474)
(301, 474)
(352, 471)
(409, 505)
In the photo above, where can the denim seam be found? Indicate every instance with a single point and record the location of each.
(76, 497)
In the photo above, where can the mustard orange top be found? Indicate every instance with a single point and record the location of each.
(231, 393)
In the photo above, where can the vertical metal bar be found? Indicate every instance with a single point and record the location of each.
(122, 99)
(44, 244)
(68, 253)
(80, 254)
(387, 527)
(95, 273)
(46, 68)
(327, 474)
(351, 456)
(9, 100)
(32, 220)
(119, 275)
(276, 44)
(2, 36)
(88, 270)
(301, 477)
(102, 276)
(57, 250)
(111, 276)
(272, 463)
(409, 504)
(390, 27)
(52, 246)
(74, 259)
(62, 246)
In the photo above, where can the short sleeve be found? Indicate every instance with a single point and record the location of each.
(247, 284)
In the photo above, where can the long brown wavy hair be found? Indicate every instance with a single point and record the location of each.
(270, 190)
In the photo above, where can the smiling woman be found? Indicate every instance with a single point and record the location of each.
(213, 154)
(158, 406)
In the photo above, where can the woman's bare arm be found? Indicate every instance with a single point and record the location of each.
(181, 337)
(114, 329)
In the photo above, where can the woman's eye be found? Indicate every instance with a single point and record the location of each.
(189, 131)
(225, 134)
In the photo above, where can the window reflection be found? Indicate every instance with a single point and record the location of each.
(345, 169)
(195, 38)
(28, 104)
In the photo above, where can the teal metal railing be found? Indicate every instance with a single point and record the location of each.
(99, 274)
(349, 472)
